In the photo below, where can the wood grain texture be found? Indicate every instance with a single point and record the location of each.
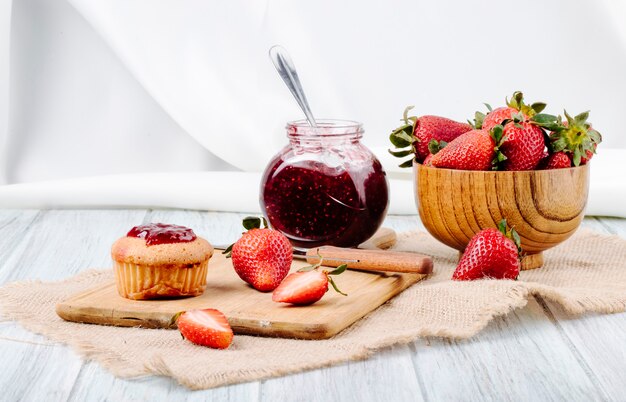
(372, 260)
(385, 377)
(48, 245)
(516, 358)
(544, 206)
(248, 311)
(485, 367)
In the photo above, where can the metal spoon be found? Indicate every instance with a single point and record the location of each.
(287, 70)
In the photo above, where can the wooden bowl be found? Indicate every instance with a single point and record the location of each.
(544, 206)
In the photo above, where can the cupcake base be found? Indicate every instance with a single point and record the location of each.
(140, 282)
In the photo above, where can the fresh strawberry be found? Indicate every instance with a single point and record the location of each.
(523, 145)
(574, 136)
(208, 327)
(473, 150)
(427, 160)
(416, 133)
(513, 107)
(557, 160)
(497, 116)
(306, 286)
(491, 253)
(262, 256)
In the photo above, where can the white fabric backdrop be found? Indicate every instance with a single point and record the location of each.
(119, 86)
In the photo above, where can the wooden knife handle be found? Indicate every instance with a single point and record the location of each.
(372, 260)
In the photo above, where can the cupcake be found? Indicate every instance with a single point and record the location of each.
(159, 260)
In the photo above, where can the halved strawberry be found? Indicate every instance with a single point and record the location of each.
(306, 286)
(208, 327)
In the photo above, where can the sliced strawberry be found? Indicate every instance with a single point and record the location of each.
(306, 286)
(301, 288)
(208, 327)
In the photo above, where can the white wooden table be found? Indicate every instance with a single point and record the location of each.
(536, 353)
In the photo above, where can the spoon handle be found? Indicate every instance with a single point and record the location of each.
(287, 71)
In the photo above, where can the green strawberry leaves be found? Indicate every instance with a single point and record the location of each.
(511, 234)
(435, 146)
(337, 271)
(403, 138)
(574, 135)
(497, 133)
(254, 222)
(249, 222)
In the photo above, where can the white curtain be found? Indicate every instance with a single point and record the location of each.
(91, 88)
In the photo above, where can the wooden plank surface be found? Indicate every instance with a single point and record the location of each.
(34, 369)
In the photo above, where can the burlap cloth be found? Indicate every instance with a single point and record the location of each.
(587, 273)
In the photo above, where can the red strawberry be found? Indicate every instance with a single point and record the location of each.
(497, 116)
(416, 134)
(473, 150)
(557, 160)
(523, 145)
(513, 107)
(491, 253)
(208, 327)
(306, 286)
(429, 128)
(261, 257)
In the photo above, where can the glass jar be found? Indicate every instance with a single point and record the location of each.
(325, 187)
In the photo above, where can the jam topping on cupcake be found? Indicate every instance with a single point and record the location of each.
(162, 233)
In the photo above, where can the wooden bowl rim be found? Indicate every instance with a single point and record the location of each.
(544, 171)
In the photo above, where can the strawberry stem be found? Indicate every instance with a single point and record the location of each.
(332, 282)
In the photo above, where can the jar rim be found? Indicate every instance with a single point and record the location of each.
(325, 128)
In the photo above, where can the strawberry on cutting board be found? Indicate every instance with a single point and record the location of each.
(208, 327)
(262, 256)
(491, 253)
(307, 286)
(414, 136)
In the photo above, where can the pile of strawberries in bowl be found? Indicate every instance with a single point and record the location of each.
(514, 137)
(500, 189)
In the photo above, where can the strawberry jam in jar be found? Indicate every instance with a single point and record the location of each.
(325, 187)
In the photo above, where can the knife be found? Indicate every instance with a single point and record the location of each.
(367, 260)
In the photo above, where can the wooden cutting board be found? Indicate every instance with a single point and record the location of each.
(249, 311)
